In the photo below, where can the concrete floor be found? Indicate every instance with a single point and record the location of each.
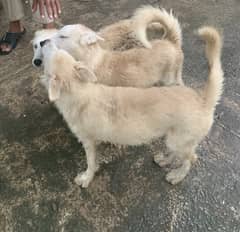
(39, 157)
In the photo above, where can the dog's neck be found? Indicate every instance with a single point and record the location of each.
(76, 98)
(83, 91)
(47, 60)
(94, 55)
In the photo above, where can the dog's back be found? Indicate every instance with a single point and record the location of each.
(142, 67)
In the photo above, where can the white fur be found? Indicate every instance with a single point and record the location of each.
(133, 116)
(136, 67)
(40, 36)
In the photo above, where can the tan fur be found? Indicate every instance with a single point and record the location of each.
(117, 36)
(133, 116)
(122, 35)
(213, 89)
(148, 14)
(137, 67)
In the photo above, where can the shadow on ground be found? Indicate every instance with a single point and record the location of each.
(39, 157)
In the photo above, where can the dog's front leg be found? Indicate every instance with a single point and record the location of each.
(83, 179)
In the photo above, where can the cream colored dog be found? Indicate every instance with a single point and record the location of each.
(160, 62)
(133, 116)
(117, 36)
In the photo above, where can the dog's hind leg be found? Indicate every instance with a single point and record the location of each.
(177, 175)
(83, 179)
(184, 148)
(178, 77)
(163, 160)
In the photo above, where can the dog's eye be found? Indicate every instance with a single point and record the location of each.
(35, 46)
(63, 37)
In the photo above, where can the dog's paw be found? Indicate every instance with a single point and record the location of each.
(175, 176)
(83, 179)
(194, 158)
(162, 160)
(159, 159)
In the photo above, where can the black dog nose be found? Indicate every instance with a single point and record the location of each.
(43, 42)
(37, 62)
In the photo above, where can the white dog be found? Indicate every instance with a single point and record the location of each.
(133, 116)
(117, 36)
(139, 67)
(37, 51)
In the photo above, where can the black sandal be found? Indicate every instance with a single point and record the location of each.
(11, 39)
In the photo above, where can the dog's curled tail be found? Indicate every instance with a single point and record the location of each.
(213, 89)
(146, 15)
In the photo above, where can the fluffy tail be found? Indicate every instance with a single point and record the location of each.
(214, 85)
(147, 15)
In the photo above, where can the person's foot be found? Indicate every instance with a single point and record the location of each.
(10, 40)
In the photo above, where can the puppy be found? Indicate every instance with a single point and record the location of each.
(138, 67)
(133, 116)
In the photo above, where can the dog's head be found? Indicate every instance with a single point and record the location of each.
(62, 71)
(76, 39)
(37, 50)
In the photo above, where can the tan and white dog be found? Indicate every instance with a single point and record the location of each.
(117, 36)
(159, 61)
(134, 116)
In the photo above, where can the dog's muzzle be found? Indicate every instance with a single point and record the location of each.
(37, 62)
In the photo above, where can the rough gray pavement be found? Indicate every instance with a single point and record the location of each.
(39, 157)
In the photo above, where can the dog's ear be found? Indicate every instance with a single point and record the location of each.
(54, 88)
(84, 73)
(90, 37)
